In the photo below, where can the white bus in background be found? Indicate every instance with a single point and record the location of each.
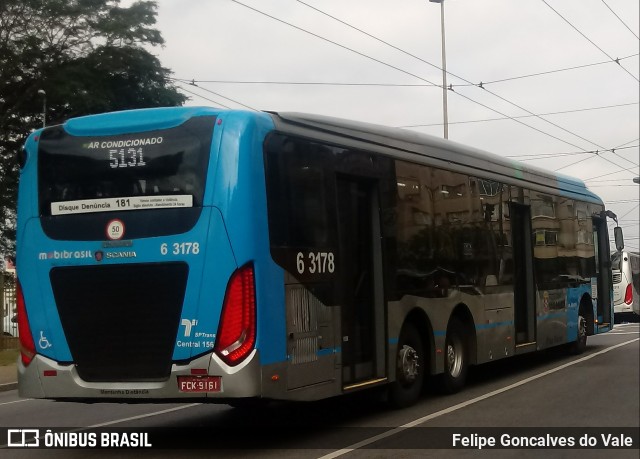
(626, 282)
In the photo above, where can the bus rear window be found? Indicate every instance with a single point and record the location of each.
(147, 170)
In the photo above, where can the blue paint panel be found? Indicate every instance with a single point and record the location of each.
(553, 315)
(330, 351)
(234, 211)
(574, 188)
(147, 119)
(240, 194)
(209, 273)
(494, 325)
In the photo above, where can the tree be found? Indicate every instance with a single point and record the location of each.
(88, 56)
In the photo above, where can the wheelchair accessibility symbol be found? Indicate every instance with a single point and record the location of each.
(43, 342)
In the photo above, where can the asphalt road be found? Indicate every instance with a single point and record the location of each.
(550, 394)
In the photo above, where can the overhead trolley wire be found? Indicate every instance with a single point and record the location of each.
(623, 23)
(483, 83)
(634, 208)
(461, 78)
(193, 83)
(522, 116)
(315, 83)
(421, 78)
(400, 85)
(224, 97)
(333, 42)
(589, 40)
(623, 201)
(626, 181)
(597, 155)
(634, 140)
(609, 173)
(536, 156)
(619, 147)
(203, 97)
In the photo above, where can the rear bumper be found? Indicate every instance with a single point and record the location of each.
(45, 378)
(622, 307)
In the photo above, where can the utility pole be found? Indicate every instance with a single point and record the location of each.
(444, 71)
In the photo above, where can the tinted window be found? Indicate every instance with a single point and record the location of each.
(564, 252)
(92, 171)
(297, 189)
(450, 232)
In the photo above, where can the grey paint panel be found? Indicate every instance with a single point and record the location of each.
(422, 148)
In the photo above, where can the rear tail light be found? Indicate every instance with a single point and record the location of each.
(27, 346)
(236, 335)
(628, 294)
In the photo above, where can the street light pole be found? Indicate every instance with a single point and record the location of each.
(444, 71)
(41, 92)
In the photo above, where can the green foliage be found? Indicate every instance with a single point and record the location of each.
(88, 56)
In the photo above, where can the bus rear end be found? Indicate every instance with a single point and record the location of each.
(625, 268)
(129, 285)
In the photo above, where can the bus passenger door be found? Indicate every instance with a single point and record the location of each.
(604, 287)
(524, 293)
(360, 285)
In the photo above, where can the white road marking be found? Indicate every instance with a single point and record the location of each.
(16, 401)
(140, 416)
(451, 409)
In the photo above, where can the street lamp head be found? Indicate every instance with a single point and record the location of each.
(41, 92)
(636, 180)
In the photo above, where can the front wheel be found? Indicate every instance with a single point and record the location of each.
(410, 368)
(580, 344)
(455, 359)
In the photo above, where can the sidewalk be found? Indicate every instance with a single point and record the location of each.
(8, 377)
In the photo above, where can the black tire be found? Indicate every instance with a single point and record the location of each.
(410, 368)
(580, 345)
(456, 359)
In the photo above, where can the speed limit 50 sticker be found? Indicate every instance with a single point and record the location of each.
(115, 229)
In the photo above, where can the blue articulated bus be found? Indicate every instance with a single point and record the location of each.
(226, 256)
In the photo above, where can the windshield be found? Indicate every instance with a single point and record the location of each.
(147, 170)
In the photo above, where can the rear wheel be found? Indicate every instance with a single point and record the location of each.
(455, 359)
(410, 368)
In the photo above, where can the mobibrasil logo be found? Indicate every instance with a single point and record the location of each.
(65, 255)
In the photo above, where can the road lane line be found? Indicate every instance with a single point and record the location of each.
(17, 401)
(453, 408)
(140, 416)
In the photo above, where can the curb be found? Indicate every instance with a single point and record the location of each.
(8, 386)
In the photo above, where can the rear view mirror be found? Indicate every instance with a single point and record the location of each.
(617, 233)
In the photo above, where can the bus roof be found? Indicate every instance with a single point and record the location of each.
(415, 146)
(396, 142)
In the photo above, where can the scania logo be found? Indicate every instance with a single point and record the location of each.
(123, 254)
(99, 254)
